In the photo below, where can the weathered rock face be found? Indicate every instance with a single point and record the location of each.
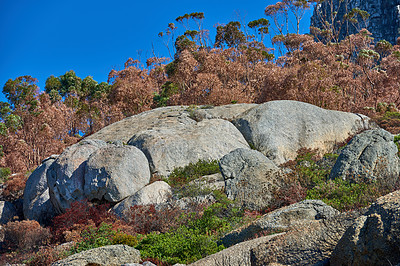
(115, 172)
(167, 117)
(156, 193)
(280, 128)
(65, 177)
(124, 130)
(374, 238)
(167, 148)
(309, 244)
(37, 205)
(115, 255)
(369, 156)
(250, 178)
(281, 220)
(235, 255)
(383, 23)
(7, 212)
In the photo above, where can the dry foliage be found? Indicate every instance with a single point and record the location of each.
(25, 235)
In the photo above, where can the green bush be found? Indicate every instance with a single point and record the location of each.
(95, 237)
(185, 245)
(4, 174)
(344, 195)
(183, 175)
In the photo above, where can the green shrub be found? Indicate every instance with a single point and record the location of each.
(183, 175)
(4, 174)
(184, 245)
(95, 237)
(344, 195)
(125, 239)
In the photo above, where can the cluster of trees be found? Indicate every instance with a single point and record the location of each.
(357, 74)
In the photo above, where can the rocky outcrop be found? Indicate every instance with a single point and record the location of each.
(156, 193)
(311, 243)
(167, 148)
(374, 238)
(281, 220)
(115, 255)
(238, 254)
(65, 177)
(115, 173)
(250, 178)
(37, 205)
(124, 130)
(383, 23)
(279, 129)
(369, 156)
(170, 116)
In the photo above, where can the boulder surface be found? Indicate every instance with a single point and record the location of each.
(115, 173)
(156, 193)
(65, 177)
(37, 205)
(280, 128)
(250, 178)
(114, 255)
(167, 148)
(374, 238)
(369, 156)
(282, 219)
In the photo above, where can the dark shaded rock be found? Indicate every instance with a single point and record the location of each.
(383, 23)
(7, 212)
(374, 238)
(37, 205)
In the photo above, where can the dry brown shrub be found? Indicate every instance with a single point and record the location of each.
(14, 187)
(25, 235)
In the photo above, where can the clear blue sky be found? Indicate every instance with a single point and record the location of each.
(49, 37)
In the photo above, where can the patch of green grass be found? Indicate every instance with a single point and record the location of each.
(343, 195)
(183, 175)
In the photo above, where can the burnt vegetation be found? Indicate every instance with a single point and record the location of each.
(356, 74)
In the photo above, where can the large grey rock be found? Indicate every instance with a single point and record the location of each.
(167, 148)
(238, 254)
(115, 255)
(250, 178)
(369, 156)
(167, 117)
(65, 177)
(374, 238)
(7, 212)
(311, 243)
(156, 193)
(37, 205)
(115, 173)
(161, 117)
(280, 220)
(280, 128)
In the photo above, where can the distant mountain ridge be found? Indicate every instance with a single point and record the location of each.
(383, 23)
